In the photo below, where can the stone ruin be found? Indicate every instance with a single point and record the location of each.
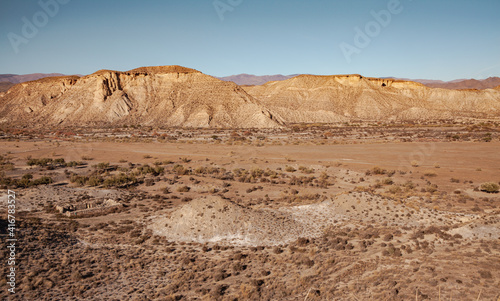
(89, 208)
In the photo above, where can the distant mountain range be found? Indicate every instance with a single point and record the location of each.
(16, 79)
(458, 84)
(489, 83)
(4, 86)
(254, 80)
(8, 80)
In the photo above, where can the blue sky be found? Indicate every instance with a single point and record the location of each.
(447, 39)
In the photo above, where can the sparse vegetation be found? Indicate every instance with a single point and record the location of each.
(352, 227)
(183, 189)
(490, 187)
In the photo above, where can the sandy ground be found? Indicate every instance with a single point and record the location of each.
(269, 222)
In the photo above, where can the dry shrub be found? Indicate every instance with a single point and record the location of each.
(490, 187)
(183, 189)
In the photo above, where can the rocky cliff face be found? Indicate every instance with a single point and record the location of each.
(309, 98)
(167, 96)
(179, 96)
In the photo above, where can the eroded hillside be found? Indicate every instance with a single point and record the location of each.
(175, 96)
(169, 96)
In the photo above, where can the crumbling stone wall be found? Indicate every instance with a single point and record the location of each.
(89, 208)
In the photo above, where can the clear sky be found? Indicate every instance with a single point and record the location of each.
(439, 39)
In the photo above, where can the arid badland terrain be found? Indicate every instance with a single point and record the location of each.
(163, 183)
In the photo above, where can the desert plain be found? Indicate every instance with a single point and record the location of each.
(353, 211)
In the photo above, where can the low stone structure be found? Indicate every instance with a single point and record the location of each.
(89, 208)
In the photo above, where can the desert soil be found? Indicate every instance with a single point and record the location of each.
(284, 217)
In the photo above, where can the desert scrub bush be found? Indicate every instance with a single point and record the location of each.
(431, 188)
(180, 170)
(5, 164)
(387, 181)
(239, 172)
(74, 163)
(146, 169)
(120, 180)
(123, 169)
(209, 170)
(306, 170)
(376, 171)
(26, 181)
(270, 173)
(256, 172)
(490, 187)
(87, 158)
(323, 180)
(301, 180)
(290, 169)
(363, 189)
(183, 189)
(250, 190)
(409, 185)
(77, 179)
(39, 162)
(415, 163)
(43, 181)
(101, 167)
(394, 189)
(27, 176)
(94, 181)
(430, 174)
(392, 251)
